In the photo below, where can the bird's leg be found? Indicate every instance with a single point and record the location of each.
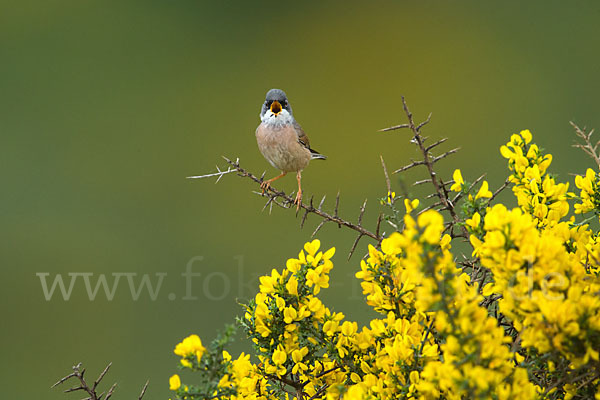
(267, 184)
(298, 200)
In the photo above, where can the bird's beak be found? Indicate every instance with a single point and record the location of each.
(275, 107)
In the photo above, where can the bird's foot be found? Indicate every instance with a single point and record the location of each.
(298, 200)
(265, 186)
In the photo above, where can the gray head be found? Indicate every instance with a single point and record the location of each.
(275, 101)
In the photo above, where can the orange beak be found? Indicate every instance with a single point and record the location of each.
(276, 107)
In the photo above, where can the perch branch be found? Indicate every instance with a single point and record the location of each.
(284, 200)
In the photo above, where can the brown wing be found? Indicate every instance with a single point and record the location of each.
(303, 140)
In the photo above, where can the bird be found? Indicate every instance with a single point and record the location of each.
(282, 141)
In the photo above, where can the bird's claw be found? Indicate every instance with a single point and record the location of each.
(265, 186)
(298, 200)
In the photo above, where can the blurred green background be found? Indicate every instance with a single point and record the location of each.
(106, 107)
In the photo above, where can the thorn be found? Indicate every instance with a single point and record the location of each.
(439, 203)
(392, 128)
(422, 124)
(444, 155)
(409, 166)
(97, 381)
(354, 245)
(362, 211)
(73, 389)
(318, 228)
(321, 203)
(144, 390)
(303, 219)
(387, 178)
(337, 204)
(267, 204)
(431, 146)
(417, 183)
(110, 391)
(71, 375)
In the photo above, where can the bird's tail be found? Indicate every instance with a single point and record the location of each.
(315, 155)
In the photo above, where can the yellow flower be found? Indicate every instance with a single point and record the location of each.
(329, 253)
(474, 221)
(293, 265)
(186, 363)
(458, 181)
(484, 191)
(280, 303)
(433, 222)
(190, 345)
(174, 382)
(526, 135)
(445, 242)
(410, 204)
(330, 327)
(312, 247)
(488, 289)
(317, 278)
(279, 356)
(349, 328)
(292, 286)
(290, 315)
(390, 197)
(390, 245)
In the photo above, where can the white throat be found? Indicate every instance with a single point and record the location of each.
(283, 118)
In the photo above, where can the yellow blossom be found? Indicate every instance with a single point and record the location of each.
(312, 247)
(484, 191)
(458, 181)
(410, 205)
(190, 345)
(174, 382)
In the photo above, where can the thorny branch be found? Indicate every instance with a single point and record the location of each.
(78, 373)
(587, 146)
(441, 192)
(284, 200)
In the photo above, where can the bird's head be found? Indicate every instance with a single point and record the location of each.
(276, 109)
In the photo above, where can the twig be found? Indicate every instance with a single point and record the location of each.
(387, 178)
(499, 190)
(144, 390)
(360, 235)
(409, 166)
(428, 161)
(391, 128)
(431, 146)
(587, 146)
(284, 200)
(79, 372)
(219, 174)
(97, 381)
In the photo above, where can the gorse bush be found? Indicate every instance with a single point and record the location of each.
(517, 317)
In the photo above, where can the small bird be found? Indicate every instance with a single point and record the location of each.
(282, 141)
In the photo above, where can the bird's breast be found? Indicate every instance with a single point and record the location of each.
(279, 145)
